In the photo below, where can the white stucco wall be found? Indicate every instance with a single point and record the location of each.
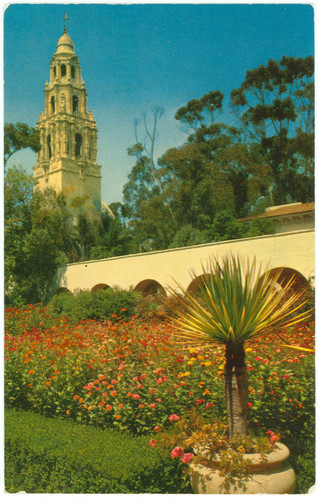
(294, 250)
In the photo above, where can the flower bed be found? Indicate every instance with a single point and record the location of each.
(132, 375)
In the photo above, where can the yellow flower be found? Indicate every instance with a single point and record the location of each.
(241, 449)
(200, 357)
(187, 374)
(192, 350)
(248, 349)
(201, 384)
(180, 375)
(207, 392)
(190, 363)
(206, 363)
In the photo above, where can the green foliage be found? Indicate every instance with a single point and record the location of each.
(38, 236)
(275, 105)
(18, 137)
(100, 305)
(188, 235)
(225, 227)
(63, 303)
(82, 459)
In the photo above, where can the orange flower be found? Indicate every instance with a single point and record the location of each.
(68, 411)
(117, 417)
(80, 400)
(108, 407)
(31, 372)
(75, 397)
(47, 383)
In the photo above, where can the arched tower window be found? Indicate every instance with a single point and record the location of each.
(63, 70)
(52, 105)
(54, 71)
(75, 103)
(73, 71)
(49, 148)
(78, 145)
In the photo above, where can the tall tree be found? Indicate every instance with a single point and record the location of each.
(224, 146)
(275, 107)
(38, 238)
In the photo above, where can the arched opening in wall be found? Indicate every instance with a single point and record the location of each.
(54, 71)
(150, 287)
(196, 284)
(100, 286)
(73, 71)
(286, 273)
(52, 105)
(63, 70)
(78, 145)
(62, 290)
(75, 103)
(49, 147)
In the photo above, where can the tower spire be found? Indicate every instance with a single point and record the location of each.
(65, 19)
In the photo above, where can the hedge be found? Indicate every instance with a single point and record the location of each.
(47, 455)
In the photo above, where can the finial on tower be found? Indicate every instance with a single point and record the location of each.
(65, 19)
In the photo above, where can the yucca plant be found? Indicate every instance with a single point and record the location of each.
(237, 302)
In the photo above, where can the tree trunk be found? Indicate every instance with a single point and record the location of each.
(236, 389)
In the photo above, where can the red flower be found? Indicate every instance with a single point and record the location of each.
(174, 417)
(186, 457)
(177, 452)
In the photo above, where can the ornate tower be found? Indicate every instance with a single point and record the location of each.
(68, 134)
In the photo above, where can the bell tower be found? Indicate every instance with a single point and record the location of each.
(67, 160)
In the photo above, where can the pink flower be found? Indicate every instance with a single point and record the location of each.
(258, 358)
(135, 379)
(186, 457)
(143, 376)
(152, 391)
(174, 417)
(159, 400)
(152, 443)
(159, 380)
(135, 396)
(177, 452)
(152, 405)
(286, 376)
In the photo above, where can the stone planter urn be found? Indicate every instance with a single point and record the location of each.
(270, 474)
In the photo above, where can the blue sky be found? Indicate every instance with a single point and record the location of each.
(135, 57)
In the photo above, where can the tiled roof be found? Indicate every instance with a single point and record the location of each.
(284, 210)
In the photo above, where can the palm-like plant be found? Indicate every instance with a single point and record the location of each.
(237, 302)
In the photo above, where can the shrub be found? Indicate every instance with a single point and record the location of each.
(63, 303)
(82, 459)
(100, 305)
